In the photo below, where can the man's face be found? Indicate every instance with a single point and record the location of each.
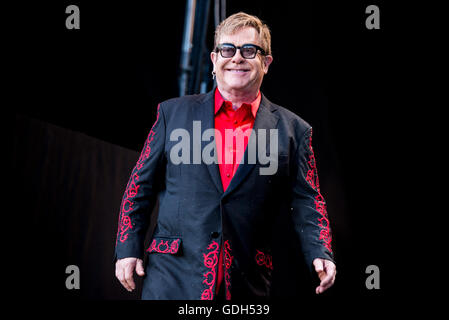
(237, 73)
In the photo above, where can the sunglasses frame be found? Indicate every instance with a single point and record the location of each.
(220, 46)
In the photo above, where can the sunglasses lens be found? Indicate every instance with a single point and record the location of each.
(248, 52)
(227, 51)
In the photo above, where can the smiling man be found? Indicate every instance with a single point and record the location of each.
(240, 63)
(214, 237)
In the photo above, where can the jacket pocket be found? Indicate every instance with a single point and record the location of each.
(170, 245)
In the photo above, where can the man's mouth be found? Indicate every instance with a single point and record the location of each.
(237, 70)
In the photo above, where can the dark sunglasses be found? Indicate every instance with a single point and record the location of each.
(248, 51)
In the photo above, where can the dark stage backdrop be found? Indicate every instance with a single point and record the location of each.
(85, 100)
(74, 185)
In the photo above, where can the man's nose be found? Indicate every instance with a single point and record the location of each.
(238, 58)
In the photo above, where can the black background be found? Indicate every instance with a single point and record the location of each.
(106, 79)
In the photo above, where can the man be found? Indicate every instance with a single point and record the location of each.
(215, 228)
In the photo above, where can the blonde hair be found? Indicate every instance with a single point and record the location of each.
(241, 20)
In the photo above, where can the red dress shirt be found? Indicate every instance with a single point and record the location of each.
(235, 127)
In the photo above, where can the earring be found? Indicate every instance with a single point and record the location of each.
(213, 75)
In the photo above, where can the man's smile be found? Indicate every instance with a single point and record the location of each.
(239, 70)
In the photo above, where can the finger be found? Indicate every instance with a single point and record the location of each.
(330, 267)
(120, 274)
(129, 272)
(328, 278)
(139, 268)
(125, 284)
(330, 274)
(321, 275)
(318, 264)
(328, 281)
(327, 286)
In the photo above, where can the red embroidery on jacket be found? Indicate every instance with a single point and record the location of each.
(210, 261)
(167, 246)
(263, 259)
(320, 204)
(228, 263)
(132, 188)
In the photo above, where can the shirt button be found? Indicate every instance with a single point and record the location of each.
(235, 121)
(214, 234)
(227, 175)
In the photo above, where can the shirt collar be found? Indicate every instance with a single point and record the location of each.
(219, 102)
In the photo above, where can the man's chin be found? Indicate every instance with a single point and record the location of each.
(237, 85)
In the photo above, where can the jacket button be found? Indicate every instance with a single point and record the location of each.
(214, 234)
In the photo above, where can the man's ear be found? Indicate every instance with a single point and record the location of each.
(266, 63)
(213, 57)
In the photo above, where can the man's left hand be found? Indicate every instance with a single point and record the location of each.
(326, 271)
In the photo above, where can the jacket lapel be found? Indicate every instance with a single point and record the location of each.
(205, 113)
(265, 119)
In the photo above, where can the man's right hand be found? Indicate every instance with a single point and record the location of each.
(124, 271)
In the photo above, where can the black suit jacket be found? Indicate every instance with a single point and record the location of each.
(196, 217)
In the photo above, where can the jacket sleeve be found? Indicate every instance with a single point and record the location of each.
(140, 194)
(308, 207)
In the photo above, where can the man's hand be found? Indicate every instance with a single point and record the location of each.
(326, 271)
(124, 271)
